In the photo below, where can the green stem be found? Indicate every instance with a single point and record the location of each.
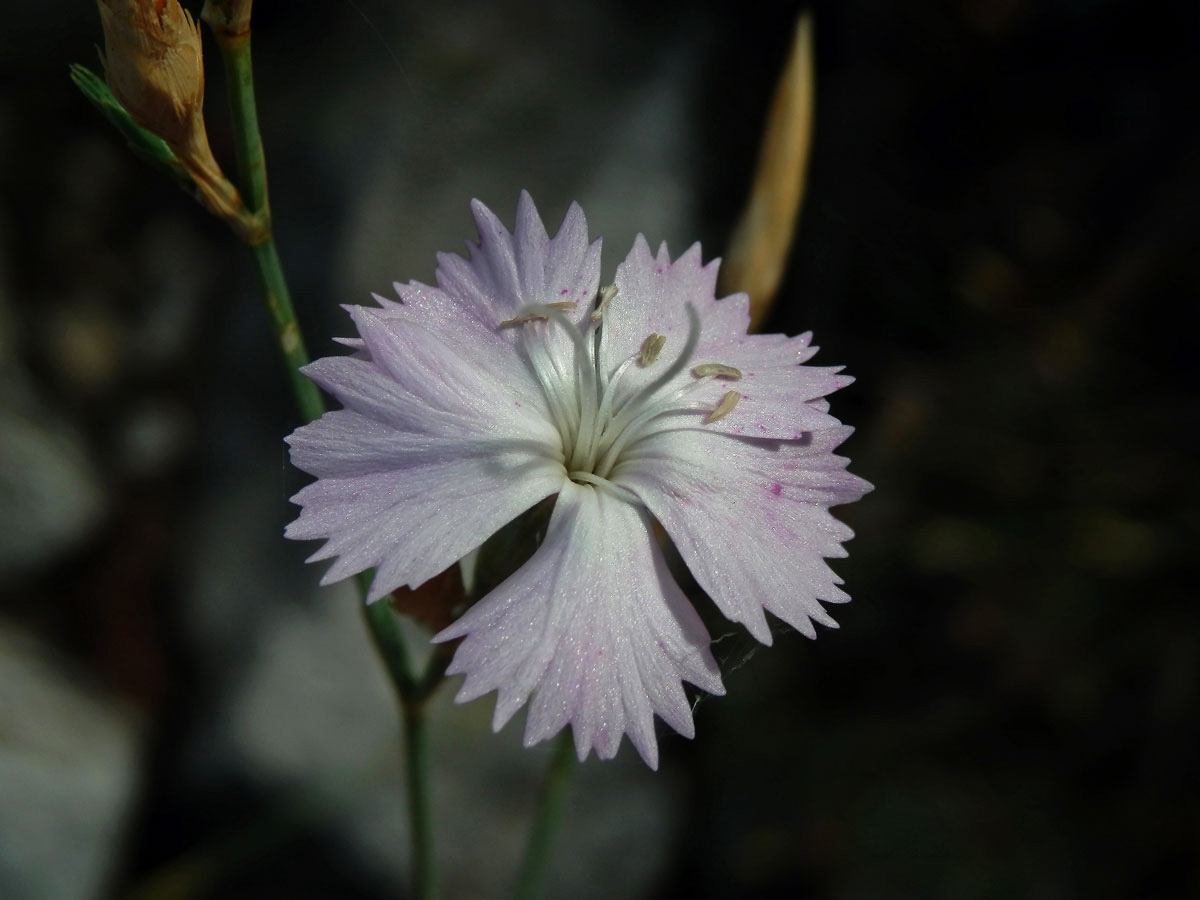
(239, 77)
(420, 806)
(287, 329)
(234, 45)
(434, 674)
(252, 177)
(535, 864)
(389, 641)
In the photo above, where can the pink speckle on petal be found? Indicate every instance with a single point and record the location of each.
(777, 489)
(563, 292)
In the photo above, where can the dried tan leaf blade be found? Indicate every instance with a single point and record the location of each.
(758, 251)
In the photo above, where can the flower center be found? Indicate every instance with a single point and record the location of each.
(601, 417)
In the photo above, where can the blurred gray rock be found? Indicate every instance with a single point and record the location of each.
(69, 765)
(50, 494)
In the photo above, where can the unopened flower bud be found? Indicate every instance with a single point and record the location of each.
(154, 65)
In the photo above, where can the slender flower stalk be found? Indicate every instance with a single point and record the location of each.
(420, 803)
(154, 96)
(230, 25)
(252, 174)
(389, 642)
(535, 864)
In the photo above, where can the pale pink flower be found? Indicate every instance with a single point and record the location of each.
(517, 378)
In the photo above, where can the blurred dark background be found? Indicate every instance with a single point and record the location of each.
(999, 240)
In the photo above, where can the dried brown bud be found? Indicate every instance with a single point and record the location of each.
(154, 65)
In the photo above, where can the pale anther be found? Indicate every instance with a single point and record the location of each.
(725, 407)
(651, 347)
(718, 369)
(604, 295)
(538, 312)
(522, 319)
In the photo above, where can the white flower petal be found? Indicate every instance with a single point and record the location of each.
(773, 402)
(594, 627)
(506, 272)
(448, 380)
(751, 518)
(427, 504)
(463, 323)
(428, 459)
(653, 294)
(468, 402)
(466, 407)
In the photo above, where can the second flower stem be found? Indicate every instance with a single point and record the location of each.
(389, 641)
(420, 803)
(552, 800)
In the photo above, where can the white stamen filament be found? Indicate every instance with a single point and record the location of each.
(635, 429)
(603, 296)
(548, 377)
(610, 390)
(596, 427)
(615, 489)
